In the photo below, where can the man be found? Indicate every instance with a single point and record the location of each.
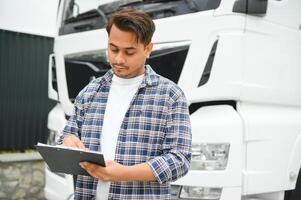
(136, 118)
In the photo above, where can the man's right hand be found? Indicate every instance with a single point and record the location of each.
(73, 141)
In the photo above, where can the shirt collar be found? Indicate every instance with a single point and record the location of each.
(151, 78)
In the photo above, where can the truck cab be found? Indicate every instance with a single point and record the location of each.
(239, 64)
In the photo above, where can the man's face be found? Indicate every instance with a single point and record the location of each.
(127, 56)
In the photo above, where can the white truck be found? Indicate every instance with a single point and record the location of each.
(239, 64)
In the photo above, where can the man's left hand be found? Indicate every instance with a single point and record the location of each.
(112, 172)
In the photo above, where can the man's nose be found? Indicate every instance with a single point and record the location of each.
(120, 58)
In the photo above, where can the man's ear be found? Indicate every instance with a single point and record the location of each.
(148, 49)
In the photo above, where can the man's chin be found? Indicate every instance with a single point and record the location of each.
(120, 74)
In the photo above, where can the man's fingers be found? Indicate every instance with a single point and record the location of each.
(79, 144)
(86, 167)
(68, 142)
(94, 170)
(73, 141)
(90, 166)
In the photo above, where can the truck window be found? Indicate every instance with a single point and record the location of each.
(86, 15)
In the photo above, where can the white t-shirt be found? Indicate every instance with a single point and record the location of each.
(120, 96)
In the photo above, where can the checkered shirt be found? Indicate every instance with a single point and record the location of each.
(156, 130)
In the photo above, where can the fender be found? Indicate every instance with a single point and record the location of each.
(294, 164)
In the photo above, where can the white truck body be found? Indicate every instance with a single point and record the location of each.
(250, 103)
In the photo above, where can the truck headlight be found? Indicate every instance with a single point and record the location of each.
(175, 191)
(191, 192)
(209, 156)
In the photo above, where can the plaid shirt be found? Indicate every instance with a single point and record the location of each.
(156, 130)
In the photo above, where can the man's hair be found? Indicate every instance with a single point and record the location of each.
(135, 21)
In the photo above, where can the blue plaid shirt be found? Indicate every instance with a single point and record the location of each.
(156, 130)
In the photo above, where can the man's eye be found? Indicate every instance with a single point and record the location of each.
(114, 50)
(130, 53)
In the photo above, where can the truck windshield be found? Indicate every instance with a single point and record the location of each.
(85, 15)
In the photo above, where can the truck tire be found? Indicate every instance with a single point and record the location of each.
(296, 193)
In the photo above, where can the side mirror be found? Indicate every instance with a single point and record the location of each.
(250, 6)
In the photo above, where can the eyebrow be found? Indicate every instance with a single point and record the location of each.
(127, 48)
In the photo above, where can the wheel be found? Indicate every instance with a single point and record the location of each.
(296, 193)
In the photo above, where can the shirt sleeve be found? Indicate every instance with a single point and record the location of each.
(73, 125)
(175, 160)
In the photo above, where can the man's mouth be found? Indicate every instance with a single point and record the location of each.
(119, 67)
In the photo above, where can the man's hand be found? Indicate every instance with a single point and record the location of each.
(112, 172)
(117, 172)
(73, 141)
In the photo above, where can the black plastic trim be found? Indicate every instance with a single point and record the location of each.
(169, 62)
(207, 70)
(294, 194)
(54, 78)
(250, 6)
(195, 106)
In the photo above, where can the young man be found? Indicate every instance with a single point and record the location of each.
(136, 118)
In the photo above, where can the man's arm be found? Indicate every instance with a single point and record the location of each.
(117, 172)
(175, 159)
